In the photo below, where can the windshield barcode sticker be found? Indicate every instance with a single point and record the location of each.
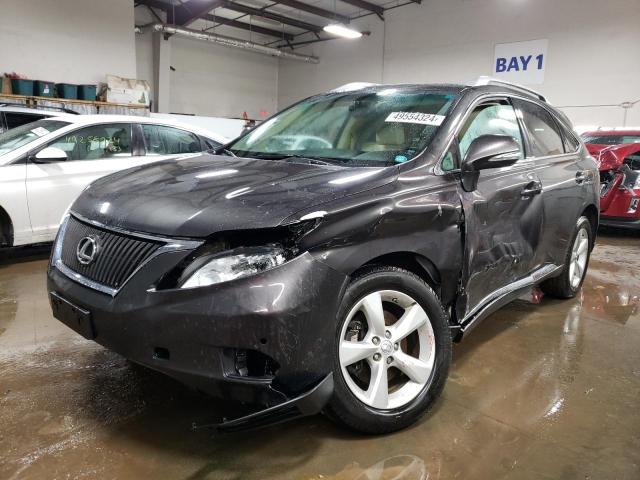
(416, 117)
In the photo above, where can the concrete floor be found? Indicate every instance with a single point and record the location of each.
(538, 391)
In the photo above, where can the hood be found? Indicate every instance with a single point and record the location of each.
(197, 196)
(612, 157)
(594, 149)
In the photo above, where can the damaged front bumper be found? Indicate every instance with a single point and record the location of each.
(265, 339)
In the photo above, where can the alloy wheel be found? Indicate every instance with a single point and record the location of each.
(579, 256)
(387, 349)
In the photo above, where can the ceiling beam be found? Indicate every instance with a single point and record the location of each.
(189, 12)
(168, 9)
(159, 4)
(321, 12)
(245, 26)
(240, 8)
(364, 5)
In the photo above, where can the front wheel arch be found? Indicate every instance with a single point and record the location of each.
(6, 229)
(410, 261)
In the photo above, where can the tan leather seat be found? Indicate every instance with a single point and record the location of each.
(390, 137)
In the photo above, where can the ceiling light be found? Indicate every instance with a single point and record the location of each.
(341, 30)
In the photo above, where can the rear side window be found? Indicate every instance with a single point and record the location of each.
(571, 144)
(164, 140)
(544, 133)
(16, 119)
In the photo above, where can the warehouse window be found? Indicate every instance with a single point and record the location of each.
(164, 140)
(96, 142)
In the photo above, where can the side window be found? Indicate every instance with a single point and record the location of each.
(544, 133)
(164, 140)
(96, 142)
(495, 118)
(448, 162)
(16, 119)
(571, 144)
(211, 144)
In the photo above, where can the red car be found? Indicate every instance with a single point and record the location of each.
(618, 155)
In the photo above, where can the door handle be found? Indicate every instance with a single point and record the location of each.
(533, 188)
(581, 177)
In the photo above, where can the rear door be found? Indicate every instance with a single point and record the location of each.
(163, 141)
(503, 216)
(555, 155)
(92, 151)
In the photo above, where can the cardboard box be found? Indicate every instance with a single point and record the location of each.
(128, 96)
(6, 86)
(126, 90)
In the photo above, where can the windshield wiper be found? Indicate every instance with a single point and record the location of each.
(286, 156)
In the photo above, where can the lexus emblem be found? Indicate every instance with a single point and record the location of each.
(87, 250)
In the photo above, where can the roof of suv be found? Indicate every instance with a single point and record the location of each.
(484, 84)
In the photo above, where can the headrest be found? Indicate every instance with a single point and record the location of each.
(391, 134)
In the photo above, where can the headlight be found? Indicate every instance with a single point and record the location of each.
(226, 266)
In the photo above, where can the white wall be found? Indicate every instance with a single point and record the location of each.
(221, 81)
(593, 55)
(210, 79)
(76, 41)
(341, 61)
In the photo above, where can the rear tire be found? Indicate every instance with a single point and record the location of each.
(576, 263)
(392, 351)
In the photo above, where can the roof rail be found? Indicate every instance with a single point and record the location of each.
(485, 80)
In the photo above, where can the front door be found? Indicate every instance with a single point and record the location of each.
(503, 215)
(92, 152)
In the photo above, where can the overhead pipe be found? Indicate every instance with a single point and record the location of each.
(232, 42)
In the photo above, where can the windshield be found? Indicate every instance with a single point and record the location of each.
(611, 139)
(19, 136)
(354, 129)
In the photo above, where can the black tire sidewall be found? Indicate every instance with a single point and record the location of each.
(344, 404)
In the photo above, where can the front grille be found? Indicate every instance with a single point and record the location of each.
(118, 255)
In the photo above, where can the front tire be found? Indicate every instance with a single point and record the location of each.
(576, 262)
(392, 351)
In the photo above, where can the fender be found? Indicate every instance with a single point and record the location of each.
(416, 216)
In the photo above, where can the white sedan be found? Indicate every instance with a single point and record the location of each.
(45, 165)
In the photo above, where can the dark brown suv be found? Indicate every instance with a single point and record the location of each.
(325, 260)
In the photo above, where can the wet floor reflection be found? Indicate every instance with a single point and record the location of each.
(546, 390)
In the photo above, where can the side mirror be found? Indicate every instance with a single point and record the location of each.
(488, 151)
(491, 151)
(50, 155)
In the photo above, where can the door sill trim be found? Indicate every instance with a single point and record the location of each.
(486, 307)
